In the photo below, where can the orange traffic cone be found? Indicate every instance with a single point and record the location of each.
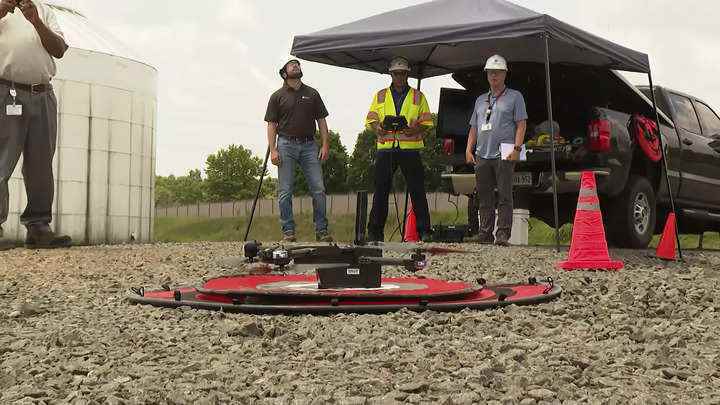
(666, 247)
(588, 249)
(411, 233)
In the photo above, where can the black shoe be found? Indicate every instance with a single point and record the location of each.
(502, 243)
(39, 236)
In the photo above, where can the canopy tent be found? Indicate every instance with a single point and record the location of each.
(445, 36)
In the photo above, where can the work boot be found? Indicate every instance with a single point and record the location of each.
(426, 236)
(6, 244)
(502, 239)
(289, 237)
(39, 236)
(323, 236)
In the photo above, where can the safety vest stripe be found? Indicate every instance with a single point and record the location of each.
(405, 139)
(416, 97)
(404, 145)
(588, 192)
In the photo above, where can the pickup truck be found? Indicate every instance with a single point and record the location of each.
(632, 187)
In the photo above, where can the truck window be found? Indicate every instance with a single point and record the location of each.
(686, 117)
(710, 121)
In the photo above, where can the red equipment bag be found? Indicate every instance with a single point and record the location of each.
(646, 134)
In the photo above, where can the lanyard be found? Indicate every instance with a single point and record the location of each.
(488, 113)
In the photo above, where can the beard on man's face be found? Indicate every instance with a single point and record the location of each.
(296, 74)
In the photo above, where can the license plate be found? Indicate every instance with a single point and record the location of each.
(522, 179)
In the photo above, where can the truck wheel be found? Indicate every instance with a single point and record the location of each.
(632, 215)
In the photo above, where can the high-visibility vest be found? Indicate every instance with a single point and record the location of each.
(415, 109)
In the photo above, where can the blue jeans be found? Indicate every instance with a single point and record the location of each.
(305, 154)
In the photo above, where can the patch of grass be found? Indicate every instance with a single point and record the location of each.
(342, 228)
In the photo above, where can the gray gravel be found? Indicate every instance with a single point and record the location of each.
(645, 335)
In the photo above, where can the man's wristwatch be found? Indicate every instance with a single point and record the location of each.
(518, 148)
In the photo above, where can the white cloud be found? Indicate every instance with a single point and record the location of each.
(240, 12)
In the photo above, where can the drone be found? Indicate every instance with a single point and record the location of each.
(282, 257)
(341, 266)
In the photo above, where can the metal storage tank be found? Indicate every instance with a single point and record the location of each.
(105, 159)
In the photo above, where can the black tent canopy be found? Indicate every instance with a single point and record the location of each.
(446, 36)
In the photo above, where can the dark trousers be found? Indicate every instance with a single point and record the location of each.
(410, 164)
(33, 134)
(491, 175)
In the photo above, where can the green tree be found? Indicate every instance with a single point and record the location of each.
(186, 189)
(164, 194)
(190, 189)
(269, 187)
(232, 174)
(361, 167)
(335, 169)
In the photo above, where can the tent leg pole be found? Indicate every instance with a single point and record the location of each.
(548, 87)
(665, 166)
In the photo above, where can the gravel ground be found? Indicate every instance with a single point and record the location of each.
(647, 334)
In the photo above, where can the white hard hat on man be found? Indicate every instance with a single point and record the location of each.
(496, 62)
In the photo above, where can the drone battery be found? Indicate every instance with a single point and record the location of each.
(334, 276)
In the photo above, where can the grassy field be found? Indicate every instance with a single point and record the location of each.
(342, 229)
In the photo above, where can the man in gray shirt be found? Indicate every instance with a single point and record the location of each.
(499, 117)
(30, 39)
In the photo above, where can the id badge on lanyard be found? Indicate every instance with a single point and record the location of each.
(487, 126)
(13, 109)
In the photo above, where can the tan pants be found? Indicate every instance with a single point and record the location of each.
(491, 175)
(33, 134)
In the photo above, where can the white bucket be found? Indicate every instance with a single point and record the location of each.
(519, 232)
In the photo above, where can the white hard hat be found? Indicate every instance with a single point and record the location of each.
(496, 62)
(399, 63)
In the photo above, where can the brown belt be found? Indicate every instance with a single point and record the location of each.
(31, 88)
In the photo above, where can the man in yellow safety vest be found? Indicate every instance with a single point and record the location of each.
(400, 117)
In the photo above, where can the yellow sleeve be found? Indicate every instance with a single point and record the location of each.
(373, 115)
(425, 116)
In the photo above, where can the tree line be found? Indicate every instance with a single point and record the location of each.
(233, 173)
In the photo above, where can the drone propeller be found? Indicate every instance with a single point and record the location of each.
(413, 247)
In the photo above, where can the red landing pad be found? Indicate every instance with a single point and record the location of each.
(298, 294)
(306, 286)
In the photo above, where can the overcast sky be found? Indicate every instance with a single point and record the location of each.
(218, 59)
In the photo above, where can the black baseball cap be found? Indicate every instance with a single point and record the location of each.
(283, 70)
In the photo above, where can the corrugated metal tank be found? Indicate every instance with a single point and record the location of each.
(105, 159)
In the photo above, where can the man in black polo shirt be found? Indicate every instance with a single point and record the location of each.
(291, 115)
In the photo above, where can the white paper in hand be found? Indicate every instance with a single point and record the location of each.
(506, 149)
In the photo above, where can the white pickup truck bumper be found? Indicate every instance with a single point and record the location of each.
(569, 181)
